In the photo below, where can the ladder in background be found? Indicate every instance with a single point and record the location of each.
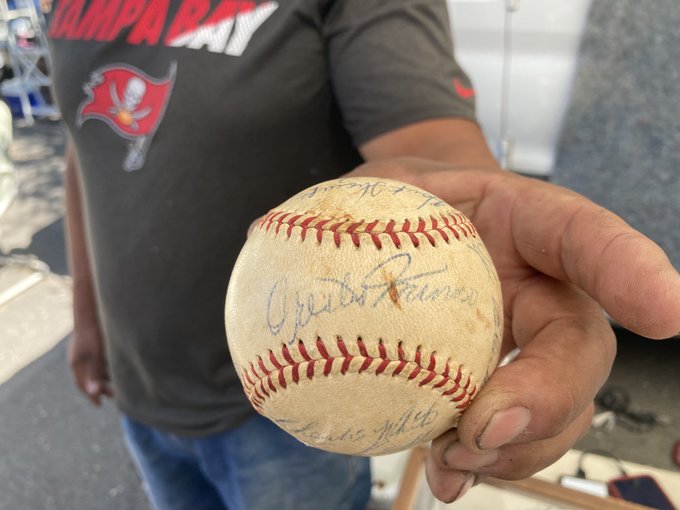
(29, 57)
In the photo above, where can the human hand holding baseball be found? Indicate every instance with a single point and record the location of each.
(561, 260)
(88, 363)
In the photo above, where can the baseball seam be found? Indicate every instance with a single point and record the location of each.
(293, 365)
(450, 224)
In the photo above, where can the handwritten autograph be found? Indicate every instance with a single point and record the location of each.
(390, 281)
(368, 190)
(411, 421)
(417, 423)
(318, 433)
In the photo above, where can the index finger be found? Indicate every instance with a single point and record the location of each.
(568, 237)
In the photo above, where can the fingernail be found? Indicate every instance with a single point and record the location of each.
(466, 486)
(503, 427)
(456, 456)
(92, 387)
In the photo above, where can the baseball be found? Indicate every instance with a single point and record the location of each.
(363, 315)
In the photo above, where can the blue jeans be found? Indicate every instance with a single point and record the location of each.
(256, 466)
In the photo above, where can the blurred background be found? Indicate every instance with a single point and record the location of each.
(582, 93)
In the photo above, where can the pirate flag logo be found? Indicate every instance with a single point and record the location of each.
(131, 103)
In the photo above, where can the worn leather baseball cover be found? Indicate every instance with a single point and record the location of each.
(363, 316)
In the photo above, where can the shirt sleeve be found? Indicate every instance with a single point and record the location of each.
(391, 64)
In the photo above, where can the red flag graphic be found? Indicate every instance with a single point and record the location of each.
(127, 99)
(131, 103)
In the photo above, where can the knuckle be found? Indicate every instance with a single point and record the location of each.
(440, 445)
(608, 344)
(558, 402)
(444, 484)
(564, 407)
(520, 462)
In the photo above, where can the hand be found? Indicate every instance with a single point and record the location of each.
(88, 363)
(561, 259)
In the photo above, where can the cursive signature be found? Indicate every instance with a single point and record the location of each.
(368, 190)
(416, 423)
(411, 421)
(317, 433)
(391, 282)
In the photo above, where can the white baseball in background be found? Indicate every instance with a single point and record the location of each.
(363, 316)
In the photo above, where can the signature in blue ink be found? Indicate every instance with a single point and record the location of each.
(416, 424)
(479, 250)
(318, 433)
(373, 189)
(389, 282)
(411, 421)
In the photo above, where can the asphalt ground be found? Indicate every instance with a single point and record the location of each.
(57, 452)
(619, 146)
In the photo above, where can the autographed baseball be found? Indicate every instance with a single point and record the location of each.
(363, 316)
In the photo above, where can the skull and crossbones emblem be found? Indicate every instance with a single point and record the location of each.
(131, 103)
(125, 110)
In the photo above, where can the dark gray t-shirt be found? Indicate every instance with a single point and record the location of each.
(192, 119)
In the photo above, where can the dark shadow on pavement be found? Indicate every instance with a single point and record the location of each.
(48, 246)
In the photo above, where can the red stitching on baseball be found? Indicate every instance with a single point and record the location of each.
(310, 361)
(445, 376)
(319, 229)
(382, 353)
(458, 376)
(247, 377)
(257, 394)
(449, 225)
(262, 388)
(291, 224)
(400, 367)
(351, 231)
(258, 378)
(453, 222)
(456, 385)
(270, 218)
(336, 235)
(286, 355)
(362, 349)
(421, 230)
(389, 230)
(303, 350)
(428, 379)
(260, 364)
(374, 236)
(345, 354)
(328, 366)
(433, 374)
(305, 225)
(441, 231)
(280, 221)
